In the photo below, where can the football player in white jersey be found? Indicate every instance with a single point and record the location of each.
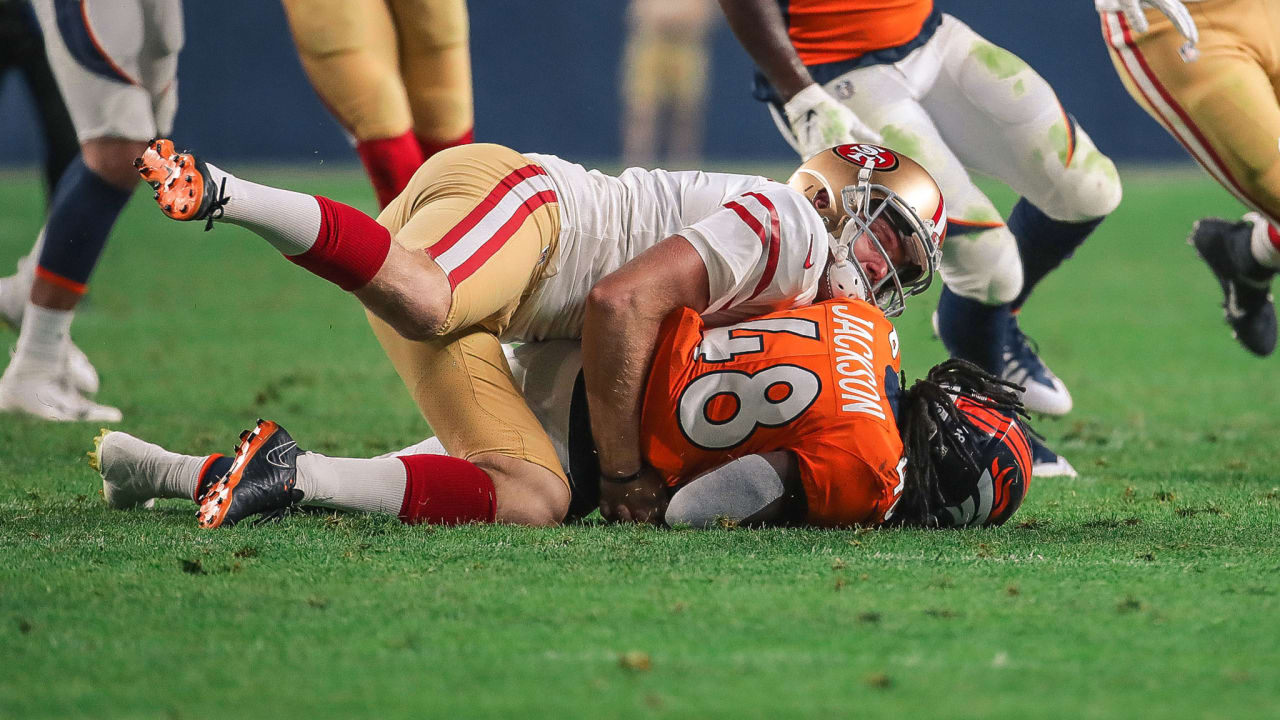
(488, 245)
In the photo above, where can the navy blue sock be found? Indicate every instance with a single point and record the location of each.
(1043, 243)
(973, 331)
(83, 210)
(212, 473)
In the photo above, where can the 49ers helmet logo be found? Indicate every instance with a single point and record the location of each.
(881, 158)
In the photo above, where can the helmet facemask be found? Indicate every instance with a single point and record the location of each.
(916, 239)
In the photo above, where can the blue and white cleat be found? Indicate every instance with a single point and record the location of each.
(1047, 463)
(1044, 392)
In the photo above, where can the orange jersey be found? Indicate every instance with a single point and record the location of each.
(819, 381)
(825, 31)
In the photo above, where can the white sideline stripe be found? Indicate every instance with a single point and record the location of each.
(1169, 117)
(484, 230)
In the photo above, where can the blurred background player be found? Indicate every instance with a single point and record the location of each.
(395, 73)
(664, 77)
(1215, 91)
(936, 90)
(115, 62)
(22, 51)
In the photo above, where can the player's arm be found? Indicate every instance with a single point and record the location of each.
(817, 119)
(759, 489)
(620, 329)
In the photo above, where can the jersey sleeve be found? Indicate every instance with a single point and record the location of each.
(843, 489)
(759, 250)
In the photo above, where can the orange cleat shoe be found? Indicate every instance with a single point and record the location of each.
(184, 190)
(262, 480)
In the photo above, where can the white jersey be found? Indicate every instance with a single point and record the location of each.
(764, 245)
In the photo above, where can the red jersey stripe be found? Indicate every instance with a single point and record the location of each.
(500, 237)
(482, 208)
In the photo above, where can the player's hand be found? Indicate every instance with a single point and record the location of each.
(1172, 9)
(643, 500)
(819, 121)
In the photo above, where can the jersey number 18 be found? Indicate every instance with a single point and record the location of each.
(720, 409)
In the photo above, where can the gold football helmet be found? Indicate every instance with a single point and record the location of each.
(861, 183)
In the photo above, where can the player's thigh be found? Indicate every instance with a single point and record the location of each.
(545, 373)
(164, 40)
(102, 55)
(1004, 120)
(435, 63)
(979, 256)
(1222, 108)
(348, 49)
(488, 217)
(465, 390)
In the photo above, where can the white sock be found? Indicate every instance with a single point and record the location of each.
(364, 485)
(178, 479)
(430, 446)
(1260, 244)
(42, 340)
(289, 220)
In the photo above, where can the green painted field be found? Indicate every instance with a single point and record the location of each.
(1148, 587)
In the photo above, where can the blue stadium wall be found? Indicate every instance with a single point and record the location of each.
(546, 80)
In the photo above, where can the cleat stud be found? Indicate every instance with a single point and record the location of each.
(184, 208)
(191, 193)
(168, 207)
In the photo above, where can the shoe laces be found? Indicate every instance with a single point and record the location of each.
(218, 205)
(1024, 351)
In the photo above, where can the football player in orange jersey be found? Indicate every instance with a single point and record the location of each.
(794, 417)
(395, 73)
(936, 90)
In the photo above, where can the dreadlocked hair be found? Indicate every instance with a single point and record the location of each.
(924, 407)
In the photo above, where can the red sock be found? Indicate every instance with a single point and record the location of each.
(431, 147)
(349, 249)
(441, 490)
(390, 162)
(1274, 236)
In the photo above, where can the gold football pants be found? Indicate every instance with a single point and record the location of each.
(1222, 107)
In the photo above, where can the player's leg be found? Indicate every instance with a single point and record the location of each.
(435, 64)
(1004, 120)
(687, 70)
(348, 50)
(1222, 108)
(135, 472)
(641, 91)
(102, 58)
(980, 267)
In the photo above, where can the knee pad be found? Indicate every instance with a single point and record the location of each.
(1087, 187)
(983, 266)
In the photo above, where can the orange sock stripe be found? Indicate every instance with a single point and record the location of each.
(64, 283)
(975, 223)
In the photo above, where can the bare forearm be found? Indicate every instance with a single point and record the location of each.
(760, 29)
(617, 349)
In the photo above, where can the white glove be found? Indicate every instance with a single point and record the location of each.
(1172, 9)
(819, 121)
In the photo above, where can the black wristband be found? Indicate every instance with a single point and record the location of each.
(623, 480)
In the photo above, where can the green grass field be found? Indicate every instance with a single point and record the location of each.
(1147, 587)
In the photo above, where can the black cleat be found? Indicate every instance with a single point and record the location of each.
(262, 479)
(1246, 285)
